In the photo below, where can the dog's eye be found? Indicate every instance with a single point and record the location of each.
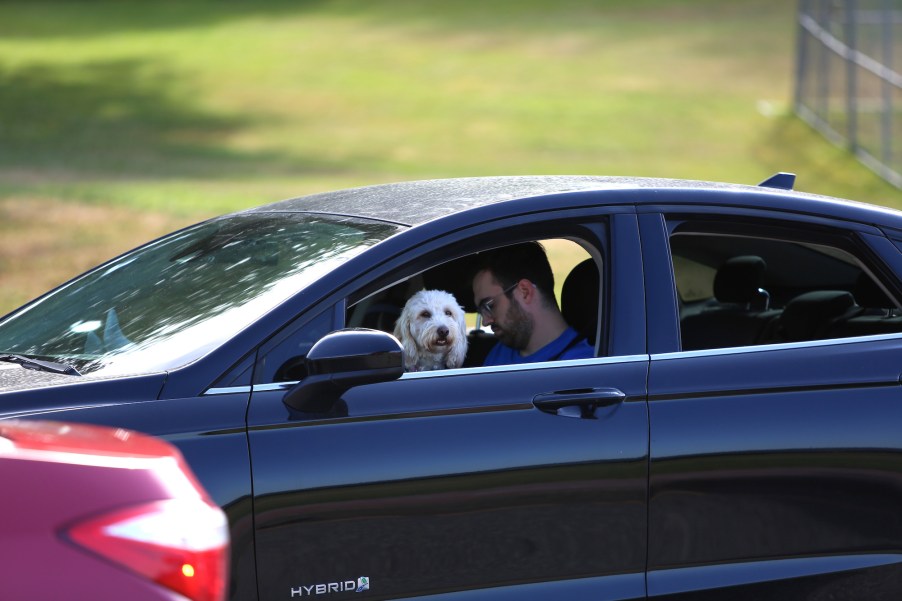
(425, 314)
(448, 312)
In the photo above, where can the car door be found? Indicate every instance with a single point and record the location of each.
(450, 482)
(775, 465)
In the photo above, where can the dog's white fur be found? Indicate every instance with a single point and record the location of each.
(432, 331)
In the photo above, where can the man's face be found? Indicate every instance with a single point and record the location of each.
(511, 324)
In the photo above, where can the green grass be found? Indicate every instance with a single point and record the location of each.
(191, 108)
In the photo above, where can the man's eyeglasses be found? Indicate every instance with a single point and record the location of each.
(485, 307)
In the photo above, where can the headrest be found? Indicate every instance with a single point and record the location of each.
(739, 278)
(807, 313)
(579, 299)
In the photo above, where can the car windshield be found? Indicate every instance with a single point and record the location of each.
(170, 301)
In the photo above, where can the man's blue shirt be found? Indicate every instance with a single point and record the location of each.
(569, 345)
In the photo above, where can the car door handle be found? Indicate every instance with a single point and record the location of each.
(587, 401)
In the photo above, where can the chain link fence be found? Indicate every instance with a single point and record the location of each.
(847, 78)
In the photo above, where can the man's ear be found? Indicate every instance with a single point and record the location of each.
(528, 290)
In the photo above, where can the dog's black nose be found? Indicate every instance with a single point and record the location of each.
(442, 332)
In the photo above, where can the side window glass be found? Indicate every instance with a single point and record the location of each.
(239, 376)
(741, 290)
(577, 283)
(284, 361)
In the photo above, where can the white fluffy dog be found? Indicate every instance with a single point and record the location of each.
(432, 331)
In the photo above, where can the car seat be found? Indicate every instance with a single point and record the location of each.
(811, 315)
(741, 311)
(580, 296)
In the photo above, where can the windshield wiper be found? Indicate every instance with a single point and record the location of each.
(40, 364)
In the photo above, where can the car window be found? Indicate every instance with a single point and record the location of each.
(166, 303)
(576, 256)
(757, 287)
(283, 360)
(568, 259)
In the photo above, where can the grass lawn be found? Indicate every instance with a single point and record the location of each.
(124, 118)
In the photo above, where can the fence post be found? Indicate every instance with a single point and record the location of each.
(886, 121)
(851, 74)
(801, 54)
(823, 71)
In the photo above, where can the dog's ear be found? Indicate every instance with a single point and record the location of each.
(402, 325)
(459, 347)
(458, 353)
(402, 333)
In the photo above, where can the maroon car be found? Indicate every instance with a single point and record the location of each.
(104, 514)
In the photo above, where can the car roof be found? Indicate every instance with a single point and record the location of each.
(415, 202)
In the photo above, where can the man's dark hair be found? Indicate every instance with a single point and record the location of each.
(509, 264)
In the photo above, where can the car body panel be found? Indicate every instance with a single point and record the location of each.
(761, 472)
(453, 481)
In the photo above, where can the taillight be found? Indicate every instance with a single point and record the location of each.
(179, 544)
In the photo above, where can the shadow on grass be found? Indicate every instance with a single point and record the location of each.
(123, 118)
(66, 19)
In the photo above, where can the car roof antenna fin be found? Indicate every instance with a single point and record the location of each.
(782, 180)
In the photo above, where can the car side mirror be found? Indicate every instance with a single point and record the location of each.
(342, 360)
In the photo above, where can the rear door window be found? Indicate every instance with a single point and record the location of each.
(752, 287)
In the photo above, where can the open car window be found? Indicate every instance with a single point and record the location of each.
(577, 255)
(382, 309)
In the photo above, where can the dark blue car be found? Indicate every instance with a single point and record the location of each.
(737, 434)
